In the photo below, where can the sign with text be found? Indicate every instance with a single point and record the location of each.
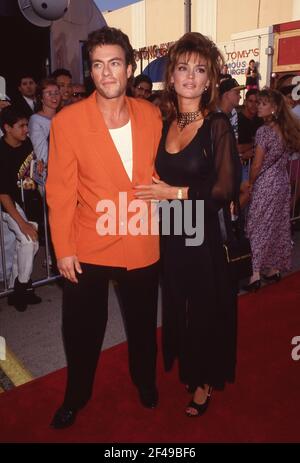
(238, 61)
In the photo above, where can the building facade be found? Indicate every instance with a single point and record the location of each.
(243, 29)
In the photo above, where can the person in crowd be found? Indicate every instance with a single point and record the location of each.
(287, 92)
(63, 79)
(268, 220)
(3, 104)
(16, 156)
(155, 98)
(252, 76)
(79, 92)
(285, 81)
(48, 102)
(197, 160)
(142, 86)
(98, 153)
(289, 86)
(225, 74)
(229, 94)
(248, 123)
(25, 101)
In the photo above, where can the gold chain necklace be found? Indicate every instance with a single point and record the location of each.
(184, 119)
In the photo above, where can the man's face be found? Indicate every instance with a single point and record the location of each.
(109, 70)
(65, 87)
(233, 97)
(251, 104)
(27, 87)
(142, 90)
(19, 131)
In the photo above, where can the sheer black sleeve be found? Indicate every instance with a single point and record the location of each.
(222, 183)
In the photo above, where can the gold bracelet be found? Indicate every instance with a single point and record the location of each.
(179, 193)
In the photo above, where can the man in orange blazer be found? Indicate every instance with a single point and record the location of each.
(100, 149)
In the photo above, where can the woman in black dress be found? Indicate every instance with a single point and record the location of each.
(196, 160)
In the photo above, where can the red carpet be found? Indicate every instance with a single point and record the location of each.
(262, 406)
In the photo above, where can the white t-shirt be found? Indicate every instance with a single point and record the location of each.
(122, 139)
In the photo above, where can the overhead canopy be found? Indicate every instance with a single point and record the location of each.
(156, 69)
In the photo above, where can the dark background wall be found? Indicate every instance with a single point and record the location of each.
(23, 46)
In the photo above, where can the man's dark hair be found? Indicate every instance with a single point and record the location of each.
(61, 72)
(111, 36)
(10, 115)
(252, 91)
(24, 75)
(142, 78)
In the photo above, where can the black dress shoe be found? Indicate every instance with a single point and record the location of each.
(63, 418)
(252, 287)
(18, 302)
(148, 397)
(275, 277)
(30, 296)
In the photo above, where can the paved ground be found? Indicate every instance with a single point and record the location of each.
(35, 335)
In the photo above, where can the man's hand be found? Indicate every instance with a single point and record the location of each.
(4, 104)
(245, 155)
(245, 193)
(67, 267)
(246, 187)
(29, 230)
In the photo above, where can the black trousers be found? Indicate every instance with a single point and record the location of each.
(85, 309)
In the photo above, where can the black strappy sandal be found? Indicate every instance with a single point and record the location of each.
(200, 408)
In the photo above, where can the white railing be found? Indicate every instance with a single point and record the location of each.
(294, 175)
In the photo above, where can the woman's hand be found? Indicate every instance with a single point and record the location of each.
(246, 187)
(159, 190)
(40, 167)
(245, 193)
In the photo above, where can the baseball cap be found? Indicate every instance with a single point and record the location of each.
(229, 84)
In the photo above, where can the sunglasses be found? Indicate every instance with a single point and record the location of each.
(145, 90)
(50, 94)
(79, 94)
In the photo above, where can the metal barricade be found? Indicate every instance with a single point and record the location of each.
(49, 277)
(294, 174)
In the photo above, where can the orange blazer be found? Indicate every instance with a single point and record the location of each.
(85, 167)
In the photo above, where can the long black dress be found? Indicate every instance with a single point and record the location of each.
(199, 296)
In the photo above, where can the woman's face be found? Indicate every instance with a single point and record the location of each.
(265, 108)
(51, 97)
(190, 76)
